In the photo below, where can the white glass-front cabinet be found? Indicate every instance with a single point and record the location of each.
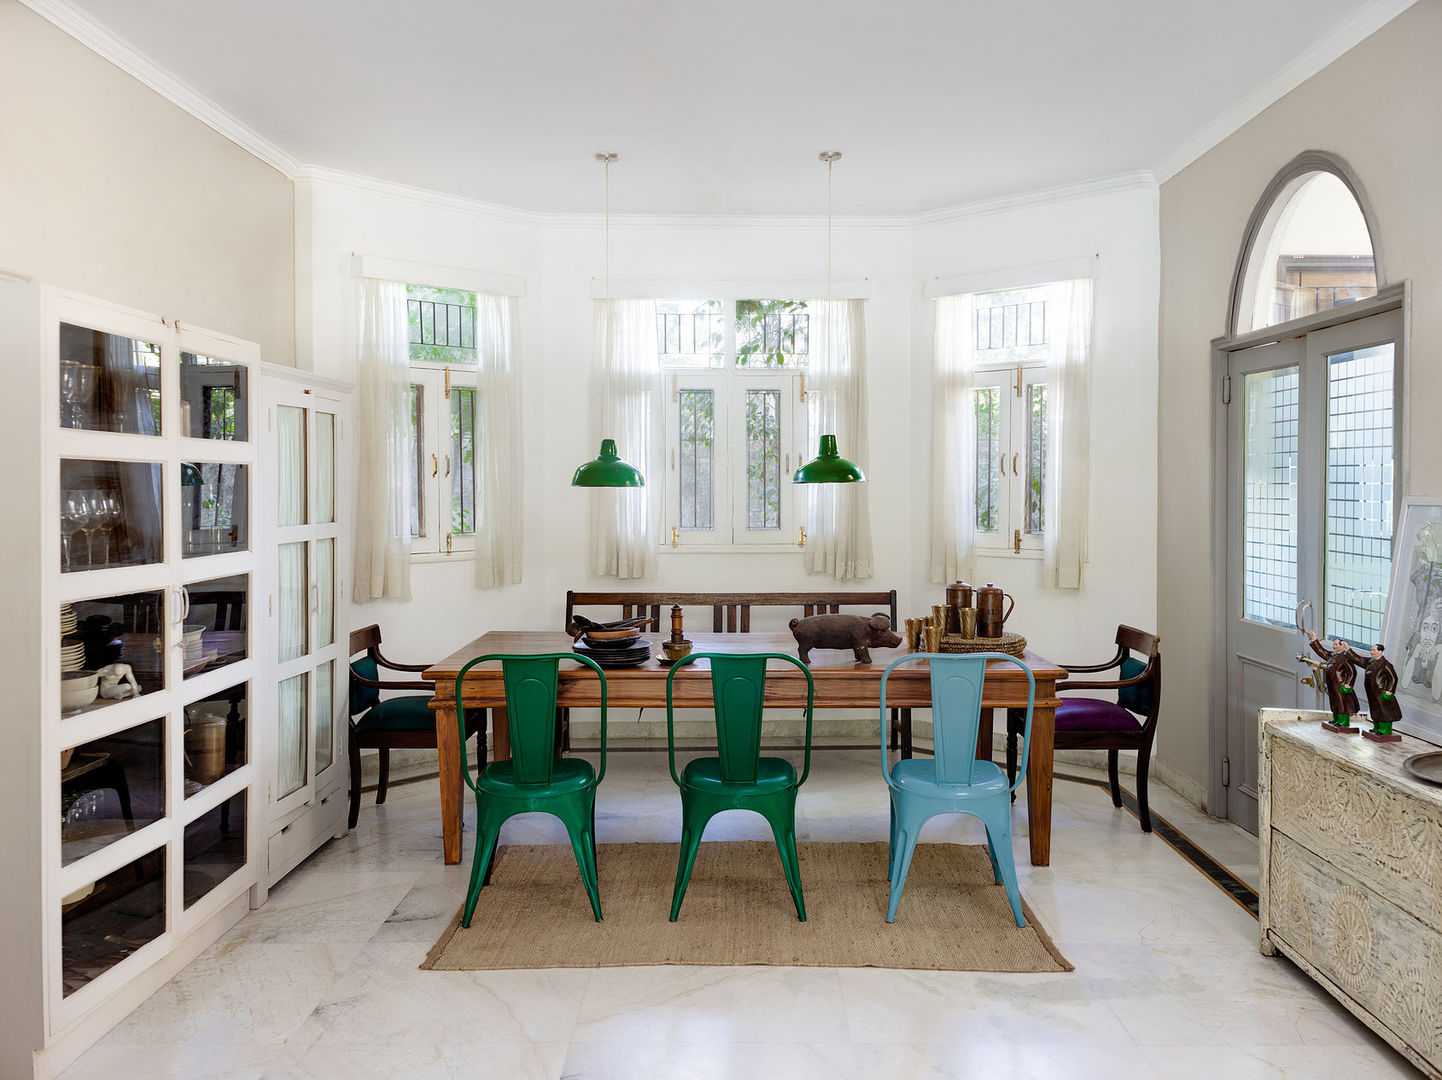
(133, 662)
(306, 554)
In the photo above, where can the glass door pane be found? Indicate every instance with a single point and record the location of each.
(1269, 498)
(109, 514)
(292, 747)
(214, 506)
(325, 592)
(111, 787)
(293, 621)
(290, 453)
(324, 510)
(104, 922)
(1357, 561)
(324, 716)
(215, 744)
(214, 848)
(213, 403)
(216, 626)
(108, 382)
(128, 631)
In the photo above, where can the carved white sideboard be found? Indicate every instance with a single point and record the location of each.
(1351, 870)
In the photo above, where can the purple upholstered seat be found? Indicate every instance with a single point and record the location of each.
(1090, 714)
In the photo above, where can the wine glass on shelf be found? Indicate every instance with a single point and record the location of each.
(109, 511)
(77, 388)
(72, 521)
(94, 514)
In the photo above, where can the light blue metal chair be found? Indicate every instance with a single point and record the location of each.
(953, 781)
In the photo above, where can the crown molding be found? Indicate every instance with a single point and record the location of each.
(1085, 189)
(107, 44)
(389, 189)
(1362, 25)
(727, 221)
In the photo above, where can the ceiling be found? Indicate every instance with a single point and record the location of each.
(721, 106)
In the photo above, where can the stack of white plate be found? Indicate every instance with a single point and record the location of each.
(67, 619)
(72, 657)
(194, 643)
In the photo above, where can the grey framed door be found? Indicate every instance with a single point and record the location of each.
(1312, 429)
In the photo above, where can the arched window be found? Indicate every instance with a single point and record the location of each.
(1309, 247)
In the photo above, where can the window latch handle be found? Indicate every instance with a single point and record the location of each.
(675, 536)
(1016, 541)
(448, 464)
(435, 466)
(1014, 471)
(801, 539)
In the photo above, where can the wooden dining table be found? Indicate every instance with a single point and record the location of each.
(841, 683)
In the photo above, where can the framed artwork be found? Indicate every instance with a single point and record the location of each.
(1412, 626)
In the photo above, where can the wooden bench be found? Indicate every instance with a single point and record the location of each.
(731, 614)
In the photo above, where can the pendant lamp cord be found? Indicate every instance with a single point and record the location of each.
(606, 159)
(829, 163)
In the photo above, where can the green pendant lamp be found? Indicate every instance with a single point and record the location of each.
(608, 470)
(828, 466)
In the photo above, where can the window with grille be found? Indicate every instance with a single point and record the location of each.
(444, 415)
(1010, 336)
(736, 424)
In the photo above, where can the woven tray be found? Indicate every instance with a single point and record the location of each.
(1012, 644)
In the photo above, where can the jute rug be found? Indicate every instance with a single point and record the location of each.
(737, 911)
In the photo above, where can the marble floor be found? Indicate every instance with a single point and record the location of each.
(323, 981)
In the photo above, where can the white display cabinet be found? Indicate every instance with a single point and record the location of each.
(130, 795)
(306, 480)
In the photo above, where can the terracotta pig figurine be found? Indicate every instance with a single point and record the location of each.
(843, 632)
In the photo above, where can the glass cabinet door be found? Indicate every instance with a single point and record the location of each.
(108, 382)
(307, 583)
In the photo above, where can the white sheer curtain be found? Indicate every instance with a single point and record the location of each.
(953, 444)
(627, 402)
(385, 448)
(838, 516)
(499, 477)
(1068, 436)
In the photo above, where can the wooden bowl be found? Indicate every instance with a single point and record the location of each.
(612, 639)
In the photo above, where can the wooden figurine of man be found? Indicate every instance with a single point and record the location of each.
(1341, 676)
(1380, 682)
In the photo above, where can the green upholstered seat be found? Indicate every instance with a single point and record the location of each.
(410, 713)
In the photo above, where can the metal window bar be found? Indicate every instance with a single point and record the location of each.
(687, 333)
(695, 468)
(1007, 326)
(217, 413)
(763, 459)
(1358, 551)
(1269, 530)
(988, 436)
(1036, 457)
(463, 456)
(452, 326)
(1295, 301)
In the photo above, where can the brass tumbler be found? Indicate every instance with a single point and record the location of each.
(967, 617)
(913, 634)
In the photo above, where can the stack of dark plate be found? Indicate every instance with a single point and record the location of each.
(614, 648)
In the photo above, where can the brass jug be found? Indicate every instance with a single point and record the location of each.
(958, 598)
(990, 619)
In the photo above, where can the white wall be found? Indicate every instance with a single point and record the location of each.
(110, 190)
(1118, 582)
(1387, 137)
(559, 258)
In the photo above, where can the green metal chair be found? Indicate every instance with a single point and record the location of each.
(534, 780)
(738, 777)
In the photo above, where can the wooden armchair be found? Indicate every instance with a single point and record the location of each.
(395, 723)
(1129, 723)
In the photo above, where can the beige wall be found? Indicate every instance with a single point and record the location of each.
(110, 190)
(1376, 108)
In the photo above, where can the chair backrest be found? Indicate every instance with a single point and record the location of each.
(957, 684)
(1143, 697)
(738, 695)
(531, 683)
(364, 640)
(730, 612)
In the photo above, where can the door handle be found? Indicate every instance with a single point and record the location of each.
(435, 466)
(448, 464)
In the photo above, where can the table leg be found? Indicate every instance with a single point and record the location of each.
(983, 735)
(1038, 783)
(448, 764)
